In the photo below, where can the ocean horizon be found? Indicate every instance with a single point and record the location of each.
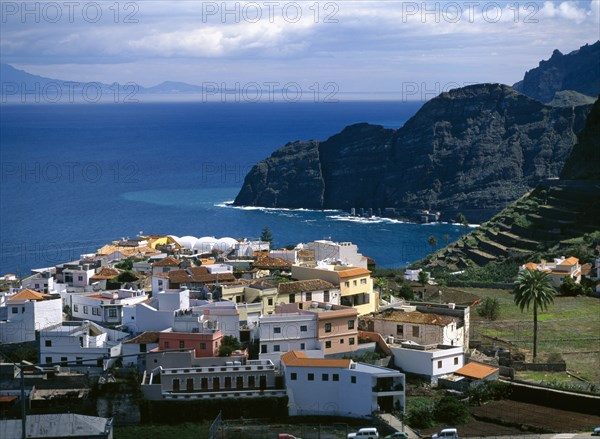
(75, 177)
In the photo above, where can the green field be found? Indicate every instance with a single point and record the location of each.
(570, 327)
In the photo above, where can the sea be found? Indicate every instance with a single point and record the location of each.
(77, 176)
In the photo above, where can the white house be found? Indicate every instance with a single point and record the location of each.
(78, 276)
(105, 307)
(289, 255)
(246, 249)
(219, 269)
(158, 313)
(413, 275)
(558, 269)
(340, 387)
(43, 282)
(142, 344)
(344, 253)
(430, 361)
(224, 313)
(83, 343)
(280, 333)
(317, 290)
(24, 313)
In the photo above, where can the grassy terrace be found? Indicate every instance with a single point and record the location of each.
(570, 327)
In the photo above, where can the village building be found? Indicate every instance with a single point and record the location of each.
(343, 253)
(337, 325)
(83, 344)
(355, 284)
(340, 387)
(193, 278)
(24, 313)
(179, 376)
(558, 270)
(105, 307)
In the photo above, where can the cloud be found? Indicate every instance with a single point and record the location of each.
(358, 43)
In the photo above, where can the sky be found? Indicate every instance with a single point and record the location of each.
(351, 46)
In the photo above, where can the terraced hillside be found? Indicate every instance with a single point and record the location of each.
(552, 218)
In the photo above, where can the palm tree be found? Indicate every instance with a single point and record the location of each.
(535, 288)
(432, 241)
(380, 283)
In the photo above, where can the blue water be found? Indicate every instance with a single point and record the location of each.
(74, 177)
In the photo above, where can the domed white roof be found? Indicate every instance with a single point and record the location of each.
(187, 241)
(205, 244)
(225, 244)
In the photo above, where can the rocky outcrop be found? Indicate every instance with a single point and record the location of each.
(584, 161)
(577, 71)
(472, 149)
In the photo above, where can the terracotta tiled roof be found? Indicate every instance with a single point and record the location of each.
(272, 263)
(412, 317)
(530, 266)
(477, 371)
(145, 337)
(197, 275)
(353, 272)
(107, 273)
(169, 261)
(304, 285)
(300, 359)
(28, 294)
(570, 261)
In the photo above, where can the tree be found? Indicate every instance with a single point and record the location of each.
(571, 288)
(266, 235)
(432, 241)
(489, 308)
(423, 277)
(534, 288)
(451, 410)
(406, 292)
(380, 283)
(127, 276)
(461, 219)
(229, 344)
(127, 264)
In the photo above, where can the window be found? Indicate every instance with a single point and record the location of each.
(166, 345)
(228, 382)
(48, 359)
(292, 298)
(239, 382)
(203, 346)
(48, 343)
(325, 377)
(311, 377)
(353, 379)
(263, 348)
(350, 324)
(112, 312)
(251, 381)
(400, 330)
(270, 302)
(238, 299)
(308, 295)
(85, 309)
(347, 284)
(63, 361)
(327, 327)
(22, 309)
(15, 310)
(326, 296)
(351, 340)
(415, 331)
(181, 344)
(341, 341)
(439, 364)
(354, 283)
(456, 361)
(176, 385)
(79, 361)
(204, 384)
(303, 328)
(293, 376)
(327, 345)
(363, 281)
(75, 308)
(335, 377)
(80, 278)
(302, 346)
(276, 348)
(277, 330)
